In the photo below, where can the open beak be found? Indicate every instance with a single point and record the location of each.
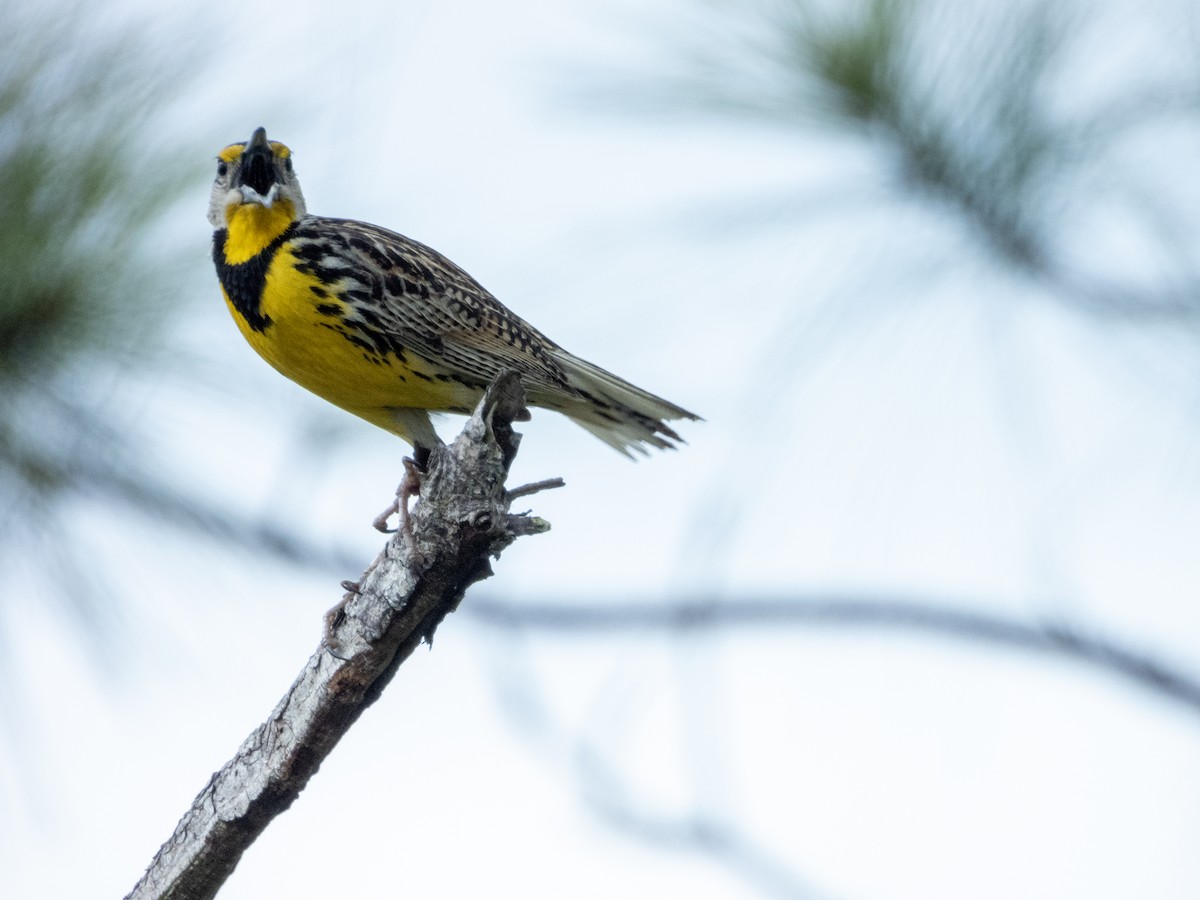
(257, 175)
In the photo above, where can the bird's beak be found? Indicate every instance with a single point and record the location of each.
(257, 175)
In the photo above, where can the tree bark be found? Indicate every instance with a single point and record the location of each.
(460, 520)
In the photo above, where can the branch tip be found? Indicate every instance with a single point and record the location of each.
(534, 487)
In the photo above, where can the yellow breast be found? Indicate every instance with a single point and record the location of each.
(308, 340)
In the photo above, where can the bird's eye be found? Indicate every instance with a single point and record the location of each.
(222, 168)
(287, 164)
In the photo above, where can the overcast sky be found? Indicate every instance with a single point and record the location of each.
(952, 437)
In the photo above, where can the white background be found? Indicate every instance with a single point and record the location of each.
(941, 433)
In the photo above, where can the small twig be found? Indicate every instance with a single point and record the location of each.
(460, 521)
(534, 487)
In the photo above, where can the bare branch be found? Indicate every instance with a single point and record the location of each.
(1074, 643)
(461, 519)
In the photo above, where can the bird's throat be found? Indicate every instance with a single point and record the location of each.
(253, 227)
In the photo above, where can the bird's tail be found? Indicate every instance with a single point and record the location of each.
(621, 414)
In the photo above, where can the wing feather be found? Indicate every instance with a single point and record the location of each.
(435, 309)
(444, 313)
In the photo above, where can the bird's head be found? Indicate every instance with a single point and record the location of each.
(256, 187)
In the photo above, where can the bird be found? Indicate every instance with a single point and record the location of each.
(386, 327)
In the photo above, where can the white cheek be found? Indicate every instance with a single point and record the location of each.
(230, 196)
(223, 198)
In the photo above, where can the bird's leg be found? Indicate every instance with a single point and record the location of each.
(410, 486)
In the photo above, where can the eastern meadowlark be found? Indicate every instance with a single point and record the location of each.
(385, 327)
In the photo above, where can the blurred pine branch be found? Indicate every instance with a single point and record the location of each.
(974, 108)
(91, 284)
(81, 299)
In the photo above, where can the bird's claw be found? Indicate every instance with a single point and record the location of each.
(381, 521)
(410, 486)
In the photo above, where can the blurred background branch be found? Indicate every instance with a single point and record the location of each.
(717, 841)
(975, 108)
(954, 620)
(94, 282)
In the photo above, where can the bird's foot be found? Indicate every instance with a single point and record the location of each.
(410, 486)
(381, 521)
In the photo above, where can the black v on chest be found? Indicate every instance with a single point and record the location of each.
(244, 282)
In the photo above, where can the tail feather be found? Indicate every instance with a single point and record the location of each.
(619, 413)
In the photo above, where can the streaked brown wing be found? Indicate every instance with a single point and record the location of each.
(439, 310)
